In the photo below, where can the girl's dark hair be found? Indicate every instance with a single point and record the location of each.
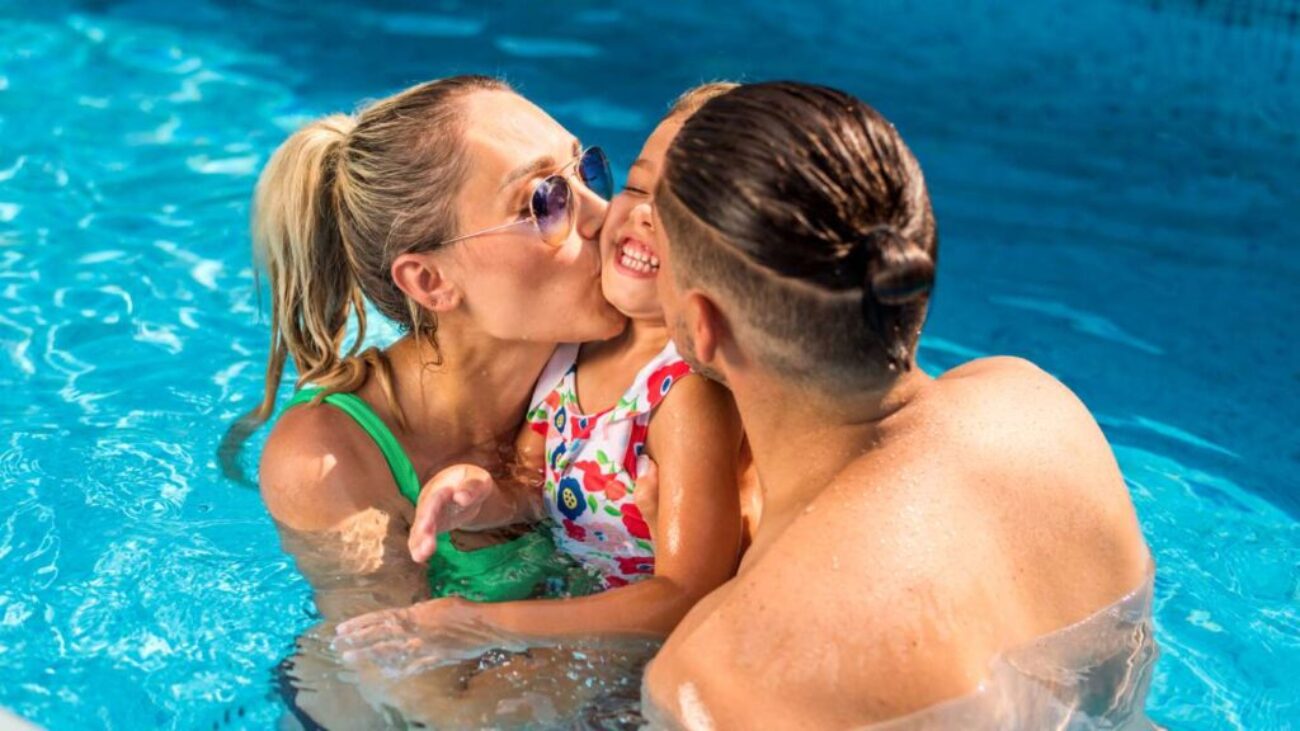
(804, 205)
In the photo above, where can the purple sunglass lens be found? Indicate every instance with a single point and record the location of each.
(552, 208)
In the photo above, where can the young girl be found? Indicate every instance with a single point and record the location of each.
(601, 407)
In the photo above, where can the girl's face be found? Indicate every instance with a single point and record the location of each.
(628, 255)
(512, 284)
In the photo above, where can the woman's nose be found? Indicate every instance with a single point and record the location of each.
(591, 213)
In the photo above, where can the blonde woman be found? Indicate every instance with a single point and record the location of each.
(471, 219)
(461, 211)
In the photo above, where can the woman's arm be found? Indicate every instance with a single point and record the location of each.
(695, 439)
(339, 513)
(341, 517)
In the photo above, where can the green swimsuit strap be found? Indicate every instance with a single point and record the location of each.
(448, 558)
(408, 482)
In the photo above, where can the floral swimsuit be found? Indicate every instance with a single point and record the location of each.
(591, 465)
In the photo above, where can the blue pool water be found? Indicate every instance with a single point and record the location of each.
(1116, 187)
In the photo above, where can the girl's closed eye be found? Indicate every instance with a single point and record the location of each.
(633, 190)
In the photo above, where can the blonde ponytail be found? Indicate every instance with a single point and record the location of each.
(297, 241)
(297, 238)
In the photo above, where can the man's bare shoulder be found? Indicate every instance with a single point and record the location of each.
(1016, 393)
(1007, 417)
(319, 468)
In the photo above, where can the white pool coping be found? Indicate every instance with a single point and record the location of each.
(10, 722)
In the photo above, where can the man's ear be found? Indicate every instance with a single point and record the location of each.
(710, 330)
(422, 279)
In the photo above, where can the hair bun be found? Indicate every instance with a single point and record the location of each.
(898, 271)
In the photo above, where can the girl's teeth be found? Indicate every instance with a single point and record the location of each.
(638, 265)
(638, 260)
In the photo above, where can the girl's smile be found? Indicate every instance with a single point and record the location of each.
(636, 258)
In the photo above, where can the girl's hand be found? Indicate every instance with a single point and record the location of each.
(407, 641)
(646, 494)
(452, 499)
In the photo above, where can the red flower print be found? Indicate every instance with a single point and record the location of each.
(613, 582)
(575, 531)
(636, 565)
(552, 400)
(539, 426)
(582, 427)
(663, 379)
(594, 480)
(633, 521)
(635, 446)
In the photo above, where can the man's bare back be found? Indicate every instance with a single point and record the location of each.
(989, 512)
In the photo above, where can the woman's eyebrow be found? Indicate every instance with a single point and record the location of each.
(528, 170)
(644, 162)
(536, 167)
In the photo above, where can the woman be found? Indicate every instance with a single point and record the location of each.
(460, 210)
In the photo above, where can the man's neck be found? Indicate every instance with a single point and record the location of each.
(802, 439)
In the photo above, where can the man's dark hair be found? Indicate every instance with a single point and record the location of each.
(801, 205)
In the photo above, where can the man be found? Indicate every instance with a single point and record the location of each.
(914, 529)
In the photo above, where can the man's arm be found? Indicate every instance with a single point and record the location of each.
(830, 628)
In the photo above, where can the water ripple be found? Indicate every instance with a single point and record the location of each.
(140, 590)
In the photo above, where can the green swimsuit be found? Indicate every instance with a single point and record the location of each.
(526, 567)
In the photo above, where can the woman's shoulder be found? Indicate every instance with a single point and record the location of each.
(319, 468)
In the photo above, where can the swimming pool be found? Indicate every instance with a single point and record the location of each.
(1115, 185)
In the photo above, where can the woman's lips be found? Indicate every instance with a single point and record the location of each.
(636, 259)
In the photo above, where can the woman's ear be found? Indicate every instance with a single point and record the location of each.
(420, 276)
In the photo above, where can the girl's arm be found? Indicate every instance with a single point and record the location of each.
(695, 438)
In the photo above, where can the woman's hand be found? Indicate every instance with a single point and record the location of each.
(451, 500)
(408, 641)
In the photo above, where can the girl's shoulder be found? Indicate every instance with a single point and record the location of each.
(654, 382)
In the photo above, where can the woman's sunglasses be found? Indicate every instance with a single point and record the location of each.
(551, 207)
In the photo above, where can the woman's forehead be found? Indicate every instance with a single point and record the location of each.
(504, 131)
